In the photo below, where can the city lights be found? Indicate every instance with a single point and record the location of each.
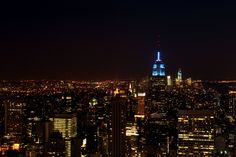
(118, 79)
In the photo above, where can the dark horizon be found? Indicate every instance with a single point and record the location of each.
(116, 40)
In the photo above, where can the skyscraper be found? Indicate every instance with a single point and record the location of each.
(158, 80)
(157, 85)
(117, 126)
(66, 124)
(55, 145)
(158, 69)
(141, 106)
(179, 75)
(179, 78)
(169, 81)
(196, 133)
(14, 119)
(232, 103)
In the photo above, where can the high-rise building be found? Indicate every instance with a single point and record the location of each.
(169, 81)
(232, 103)
(14, 119)
(158, 73)
(157, 86)
(117, 129)
(158, 68)
(141, 106)
(157, 132)
(66, 124)
(179, 78)
(195, 133)
(55, 145)
(179, 75)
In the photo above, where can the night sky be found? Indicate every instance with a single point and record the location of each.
(116, 39)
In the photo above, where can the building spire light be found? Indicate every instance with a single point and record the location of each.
(158, 68)
(158, 56)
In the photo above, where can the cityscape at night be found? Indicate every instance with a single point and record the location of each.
(118, 79)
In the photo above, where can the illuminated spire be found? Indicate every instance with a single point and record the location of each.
(158, 47)
(158, 67)
(158, 56)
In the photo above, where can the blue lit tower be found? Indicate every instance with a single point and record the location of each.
(158, 73)
(157, 104)
(158, 69)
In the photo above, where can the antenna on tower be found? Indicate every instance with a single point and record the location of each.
(158, 47)
(158, 42)
(158, 56)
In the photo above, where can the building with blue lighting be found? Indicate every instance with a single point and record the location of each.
(158, 69)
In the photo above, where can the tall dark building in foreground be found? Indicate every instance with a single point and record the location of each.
(55, 145)
(118, 123)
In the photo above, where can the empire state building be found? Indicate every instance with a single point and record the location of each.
(158, 69)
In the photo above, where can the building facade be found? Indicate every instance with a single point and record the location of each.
(66, 124)
(195, 133)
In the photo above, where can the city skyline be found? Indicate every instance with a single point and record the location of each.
(116, 40)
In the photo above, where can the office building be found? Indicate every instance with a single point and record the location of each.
(15, 127)
(117, 126)
(196, 130)
(55, 146)
(66, 124)
(169, 81)
(179, 79)
(140, 113)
